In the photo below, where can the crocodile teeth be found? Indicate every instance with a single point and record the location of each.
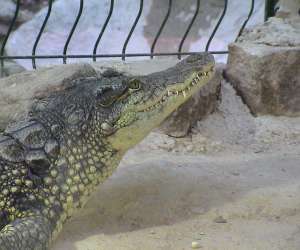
(170, 93)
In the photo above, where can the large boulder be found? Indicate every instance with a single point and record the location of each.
(7, 11)
(201, 104)
(263, 66)
(10, 67)
(19, 91)
(289, 7)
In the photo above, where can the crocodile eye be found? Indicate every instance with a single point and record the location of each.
(134, 84)
(105, 97)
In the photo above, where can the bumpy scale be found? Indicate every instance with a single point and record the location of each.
(74, 139)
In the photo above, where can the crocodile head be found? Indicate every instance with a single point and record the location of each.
(139, 104)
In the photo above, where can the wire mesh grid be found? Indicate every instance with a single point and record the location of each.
(123, 54)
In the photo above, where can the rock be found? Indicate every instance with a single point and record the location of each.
(197, 108)
(19, 91)
(178, 22)
(220, 219)
(196, 245)
(288, 8)
(158, 141)
(3, 29)
(10, 68)
(263, 66)
(7, 12)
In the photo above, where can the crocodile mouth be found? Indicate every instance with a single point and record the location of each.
(184, 90)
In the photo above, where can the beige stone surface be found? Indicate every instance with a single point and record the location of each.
(292, 7)
(168, 201)
(198, 107)
(168, 192)
(19, 91)
(264, 67)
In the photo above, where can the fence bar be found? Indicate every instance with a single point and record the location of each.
(217, 26)
(8, 33)
(188, 29)
(246, 21)
(103, 29)
(270, 9)
(40, 32)
(72, 31)
(161, 27)
(111, 55)
(132, 29)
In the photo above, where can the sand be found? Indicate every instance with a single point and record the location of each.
(234, 183)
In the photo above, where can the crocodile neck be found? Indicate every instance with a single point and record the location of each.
(85, 163)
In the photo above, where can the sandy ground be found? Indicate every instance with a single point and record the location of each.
(234, 183)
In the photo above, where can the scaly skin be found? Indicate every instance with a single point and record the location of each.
(73, 140)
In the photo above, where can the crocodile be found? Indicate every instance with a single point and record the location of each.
(73, 139)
